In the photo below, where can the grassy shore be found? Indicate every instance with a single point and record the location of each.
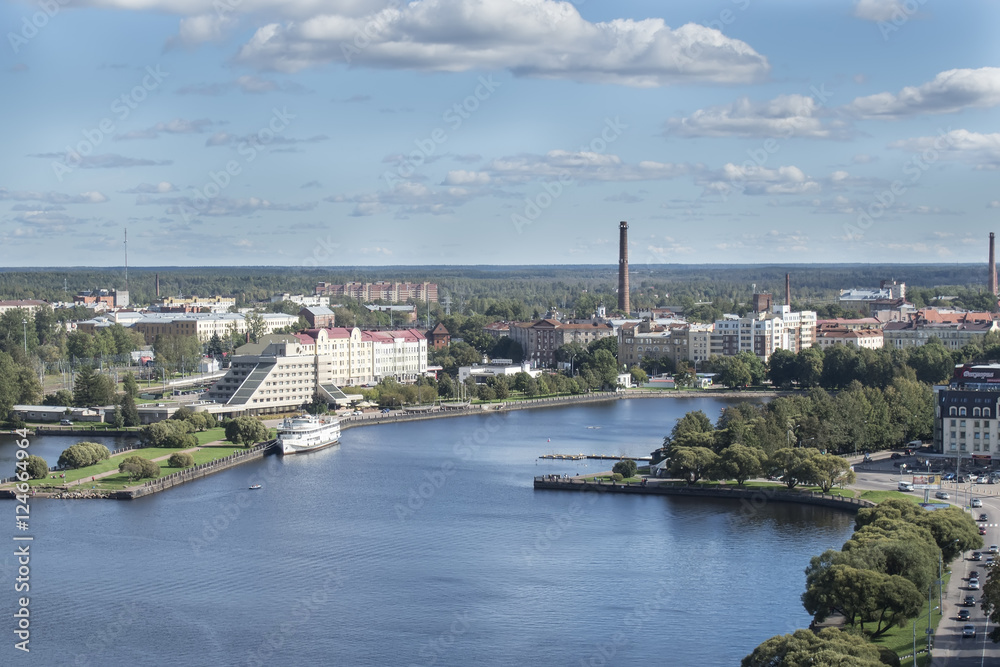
(900, 640)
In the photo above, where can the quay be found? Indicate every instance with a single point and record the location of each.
(599, 457)
(749, 498)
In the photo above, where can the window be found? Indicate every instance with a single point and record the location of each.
(986, 412)
(961, 412)
(975, 412)
(952, 411)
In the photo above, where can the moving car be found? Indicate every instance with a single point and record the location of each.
(977, 555)
(964, 615)
(984, 517)
(973, 584)
(968, 630)
(905, 486)
(982, 530)
(943, 495)
(974, 574)
(948, 476)
(970, 601)
(994, 549)
(976, 502)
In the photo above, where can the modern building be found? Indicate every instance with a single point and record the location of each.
(399, 314)
(282, 372)
(304, 300)
(483, 372)
(541, 339)
(381, 291)
(194, 304)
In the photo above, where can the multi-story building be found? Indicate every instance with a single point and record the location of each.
(871, 339)
(282, 372)
(205, 325)
(761, 333)
(966, 423)
(102, 299)
(541, 339)
(497, 329)
(381, 291)
(27, 305)
(306, 301)
(194, 304)
(954, 329)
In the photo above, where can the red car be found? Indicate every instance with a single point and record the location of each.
(982, 530)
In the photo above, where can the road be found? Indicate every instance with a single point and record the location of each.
(950, 648)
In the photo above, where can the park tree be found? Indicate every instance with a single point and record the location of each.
(170, 433)
(255, 325)
(756, 367)
(954, 531)
(83, 454)
(794, 465)
(932, 361)
(830, 647)
(175, 352)
(639, 376)
(861, 596)
(130, 386)
(809, 366)
(831, 470)
(180, 460)
(63, 397)
(735, 374)
(92, 388)
(246, 430)
(626, 467)
(129, 411)
(740, 463)
(782, 368)
(37, 467)
(137, 467)
(990, 602)
(694, 429)
(692, 463)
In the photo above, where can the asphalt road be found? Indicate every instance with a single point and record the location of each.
(950, 648)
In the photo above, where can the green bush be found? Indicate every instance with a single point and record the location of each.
(180, 460)
(83, 454)
(626, 467)
(137, 467)
(37, 467)
(617, 476)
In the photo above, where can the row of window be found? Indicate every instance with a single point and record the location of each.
(976, 412)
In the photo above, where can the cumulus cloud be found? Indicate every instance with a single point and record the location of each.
(408, 198)
(753, 180)
(784, 116)
(980, 150)
(948, 92)
(579, 166)
(228, 139)
(163, 187)
(102, 161)
(538, 38)
(219, 206)
(463, 177)
(879, 10)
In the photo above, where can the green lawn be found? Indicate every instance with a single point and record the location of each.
(211, 435)
(879, 496)
(900, 640)
(121, 480)
(105, 466)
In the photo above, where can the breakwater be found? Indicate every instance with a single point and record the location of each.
(747, 496)
(254, 453)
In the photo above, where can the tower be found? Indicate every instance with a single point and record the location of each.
(623, 303)
(993, 264)
(157, 285)
(788, 289)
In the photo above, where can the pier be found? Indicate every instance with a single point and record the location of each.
(599, 457)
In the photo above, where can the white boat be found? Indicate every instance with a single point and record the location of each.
(307, 433)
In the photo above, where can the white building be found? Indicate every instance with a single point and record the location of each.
(304, 300)
(483, 372)
(282, 372)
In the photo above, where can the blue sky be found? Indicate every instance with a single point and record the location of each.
(301, 132)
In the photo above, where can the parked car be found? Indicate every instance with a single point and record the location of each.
(968, 630)
(983, 479)
(970, 601)
(973, 584)
(65, 422)
(948, 476)
(976, 502)
(964, 615)
(386, 411)
(357, 413)
(943, 495)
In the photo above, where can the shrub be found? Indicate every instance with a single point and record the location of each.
(617, 476)
(180, 460)
(137, 467)
(37, 467)
(626, 467)
(83, 454)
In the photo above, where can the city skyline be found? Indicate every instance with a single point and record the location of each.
(484, 132)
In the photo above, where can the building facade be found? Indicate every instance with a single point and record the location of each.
(953, 329)
(541, 339)
(282, 372)
(388, 292)
(966, 424)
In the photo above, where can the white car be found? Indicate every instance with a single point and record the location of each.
(943, 495)
(994, 549)
(976, 502)
(973, 584)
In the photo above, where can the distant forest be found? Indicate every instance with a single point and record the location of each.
(568, 288)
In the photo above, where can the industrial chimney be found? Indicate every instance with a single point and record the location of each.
(788, 290)
(157, 285)
(993, 264)
(623, 303)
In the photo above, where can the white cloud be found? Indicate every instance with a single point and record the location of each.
(994, 204)
(579, 166)
(176, 126)
(784, 116)
(163, 187)
(948, 92)
(753, 180)
(980, 150)
(879, 10)
(49, 197)
(463, 177)
(539, 38)
(203, 28)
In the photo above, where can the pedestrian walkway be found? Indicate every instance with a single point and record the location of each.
(109, 473)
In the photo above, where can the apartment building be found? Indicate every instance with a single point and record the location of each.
(541, 339)
(954, 329)
(389, 292)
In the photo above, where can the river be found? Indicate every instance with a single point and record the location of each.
(418, 544)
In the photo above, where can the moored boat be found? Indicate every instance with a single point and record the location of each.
(307, 433)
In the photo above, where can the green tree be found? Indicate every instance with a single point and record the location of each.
(129, 411)
(83, 454)
(176, 352)
(137, 467)
(255, 325)
(170, 433)
(932, 361)
(795, 465)
(180, 460)
(692, 463)
(37, 467)
(639, 376)
(830, 647)
(809, 366)
(130, 386)
(740, 463)
(990, 602)
(246, 431)
(63, 397)
(735, 374)
(782, 369)
(92, 388)
(626, 467)
(831, 470)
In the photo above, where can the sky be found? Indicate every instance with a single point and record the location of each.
(364, 132)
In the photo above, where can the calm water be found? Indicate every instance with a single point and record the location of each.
(419, 544)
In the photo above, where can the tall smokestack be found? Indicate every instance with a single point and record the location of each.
(157, 285)
(993, 264)
(788, 290)
(623, 303)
